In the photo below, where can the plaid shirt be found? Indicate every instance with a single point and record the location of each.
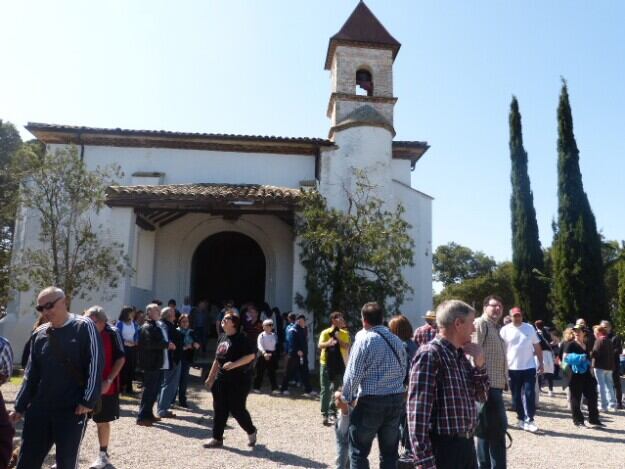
(423, 334)
(441, 396)
(373, 369)
(6, 358)
(487, 336)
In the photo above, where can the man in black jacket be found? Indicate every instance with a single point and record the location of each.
(62, 383)
(153, 352)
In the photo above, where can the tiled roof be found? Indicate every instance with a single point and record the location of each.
(202, 193)
(362, 27)
(37, 127)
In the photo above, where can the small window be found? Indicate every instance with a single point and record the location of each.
(364, 83)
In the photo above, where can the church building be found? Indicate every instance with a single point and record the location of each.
(211, 215)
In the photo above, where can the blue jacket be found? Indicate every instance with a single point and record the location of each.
(296, 340)
(578, 361)
(121, 324)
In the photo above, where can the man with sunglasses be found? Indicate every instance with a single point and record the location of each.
(62, 383)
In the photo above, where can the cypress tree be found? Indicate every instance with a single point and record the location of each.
(530, 292)
(578, 288)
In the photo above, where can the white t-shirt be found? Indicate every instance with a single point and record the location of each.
(519, 345)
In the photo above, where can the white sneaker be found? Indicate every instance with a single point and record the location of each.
(550, 393)
(520, 424)
(530, 426)
(101, 461)
(286, 393)
(611, 409)
(275, 392)
(306, 394)
(256, 391)
(314, 393)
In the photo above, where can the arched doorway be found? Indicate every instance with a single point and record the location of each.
(228, 265)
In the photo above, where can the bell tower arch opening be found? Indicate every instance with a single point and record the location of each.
(228, 265)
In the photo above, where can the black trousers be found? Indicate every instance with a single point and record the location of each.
(230, 399)
(617, 385)
(151, 387)
(453, 452)
(270, 366)
(44, 428)
(6, 435)
(128, 371)
(584, 384)
(294, 363)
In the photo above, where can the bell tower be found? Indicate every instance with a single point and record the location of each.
(360, 59)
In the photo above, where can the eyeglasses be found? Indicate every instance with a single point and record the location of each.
(227, 319)
(496, 305)
(48, 305)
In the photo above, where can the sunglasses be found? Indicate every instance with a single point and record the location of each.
(48, 305)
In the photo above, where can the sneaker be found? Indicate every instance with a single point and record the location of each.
(313, 393)
(251, 439)
(530, 426)
(520, 424)
(213, 443)
(603, 409)
(611, 409)
(275, 392)
(256, 391)
(306, 394)
(101, 461)
(596, 425)
(550, 393)
(286, 393)
(167, 415)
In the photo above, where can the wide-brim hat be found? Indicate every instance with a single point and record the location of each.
(430, 315)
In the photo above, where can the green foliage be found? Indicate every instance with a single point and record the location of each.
(578, 288)
(352, 257)
(65, 196)
(530, 291)
(10, 142)
(474, 290)
(453, 263)
(618, 317)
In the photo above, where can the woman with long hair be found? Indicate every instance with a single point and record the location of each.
(129, 333)
(577, 357)
(230, 380)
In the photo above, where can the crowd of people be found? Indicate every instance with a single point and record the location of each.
(416, 391)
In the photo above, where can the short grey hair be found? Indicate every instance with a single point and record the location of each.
(151, 306)
(96, 312)
(52, 290)
(165, 312)
(450, 310)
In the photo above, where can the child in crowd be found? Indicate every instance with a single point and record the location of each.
(268, 360)
(341, 429)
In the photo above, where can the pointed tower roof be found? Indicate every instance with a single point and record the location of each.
(362, 28)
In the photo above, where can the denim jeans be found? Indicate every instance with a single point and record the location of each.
(523, 383)
(328, 386)
(341, 430)
(375, 416)
(606, 388)
(185, 366)
(169, 387)
(492, 454)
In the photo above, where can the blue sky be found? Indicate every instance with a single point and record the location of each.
(256, 67)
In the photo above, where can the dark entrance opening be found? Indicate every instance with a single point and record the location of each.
(228, 265)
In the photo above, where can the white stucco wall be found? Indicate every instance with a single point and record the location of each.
(419, 214)
(197, 166)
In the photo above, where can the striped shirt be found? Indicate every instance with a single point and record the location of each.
(6, 358)
(373, 368)
(442, 392)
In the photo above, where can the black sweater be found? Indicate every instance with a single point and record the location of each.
(48, 381)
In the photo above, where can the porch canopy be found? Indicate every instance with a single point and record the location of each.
(158, 205)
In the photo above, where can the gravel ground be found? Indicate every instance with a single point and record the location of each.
(290, 434)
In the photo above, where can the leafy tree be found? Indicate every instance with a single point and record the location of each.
(474, 290)
(454, 263)
(578, 288)
(65, 196)
(530, 291)
(618, 316)
(10, 142)
(352, 257)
